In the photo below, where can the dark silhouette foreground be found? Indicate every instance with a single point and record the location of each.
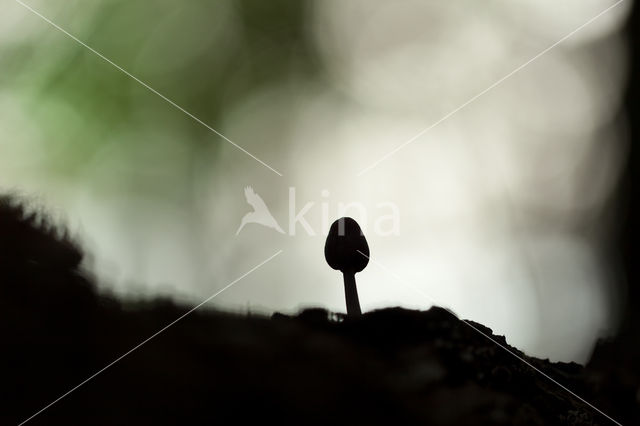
(392, 366)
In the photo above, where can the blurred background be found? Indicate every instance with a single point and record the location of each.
(506, 208)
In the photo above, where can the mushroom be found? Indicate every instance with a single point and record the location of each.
(347, 250)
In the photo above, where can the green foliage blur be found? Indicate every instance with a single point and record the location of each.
(68, 114)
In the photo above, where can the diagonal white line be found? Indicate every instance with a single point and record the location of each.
(468, 323)
(150, 337)
(142, 83)
(474, 98)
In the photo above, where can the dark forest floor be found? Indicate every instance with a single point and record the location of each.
(392, 366)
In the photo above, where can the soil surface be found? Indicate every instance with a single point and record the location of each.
(392, 366)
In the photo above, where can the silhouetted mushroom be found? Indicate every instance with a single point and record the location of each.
(347, 250)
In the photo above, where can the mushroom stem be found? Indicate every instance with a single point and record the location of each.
(351, 294)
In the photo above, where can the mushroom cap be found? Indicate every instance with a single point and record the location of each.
(346, 248)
